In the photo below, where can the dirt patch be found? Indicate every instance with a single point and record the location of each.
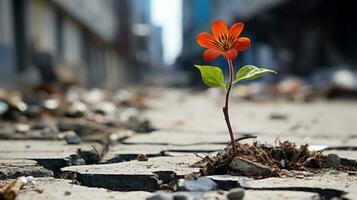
(262, 161)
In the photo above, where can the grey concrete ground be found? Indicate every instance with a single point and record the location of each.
(188, 123)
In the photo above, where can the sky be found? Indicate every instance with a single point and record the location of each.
(168, 15)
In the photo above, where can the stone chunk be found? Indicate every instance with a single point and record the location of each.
(332, 160)
(134, 175)
(236, 194)
(249, 168)
(200, 184)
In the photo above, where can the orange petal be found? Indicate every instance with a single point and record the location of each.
(242, 44)
(211, 54)
(219, 28)
(235, 30)
(231, 54)
(205, 40)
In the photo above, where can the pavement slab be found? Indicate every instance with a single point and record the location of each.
(126, 152)
(58, 189)
(352, 155)
(200, 112)
(51, 154)
(10, 169)
(327, 182)
(164, 137)
(134, 175)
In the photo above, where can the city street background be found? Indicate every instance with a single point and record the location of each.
(100, 99)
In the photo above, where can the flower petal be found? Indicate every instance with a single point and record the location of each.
(242, 44)
(205, 40)
(231, 54)
(219, 28)
(211, 54)
(235, 30)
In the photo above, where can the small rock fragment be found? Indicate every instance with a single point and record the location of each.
(76, 109)
(235, 194)
(22, 128)
(332, 160)
(4, 107)
(278, 116)
(200, 184)
(71, 137)
(74, 159)
(142, 157)
(282, 163)
(248, 167)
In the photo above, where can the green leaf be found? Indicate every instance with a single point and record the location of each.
(250, 72)
(212, 76)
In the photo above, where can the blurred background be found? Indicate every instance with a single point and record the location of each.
(119, 43)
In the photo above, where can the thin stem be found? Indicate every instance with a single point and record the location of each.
(225, 108)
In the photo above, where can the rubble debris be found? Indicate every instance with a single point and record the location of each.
(131, 118)
(74, 159)
(90, 107)
(261, 161)
(12, 189)
(76, 109)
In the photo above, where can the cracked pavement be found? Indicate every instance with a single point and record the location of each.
(187, 125)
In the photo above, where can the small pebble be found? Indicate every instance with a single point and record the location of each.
(142, 157)
(200, 184)
(235, 194)
(278, 116)
(332, 160)
(71, 137)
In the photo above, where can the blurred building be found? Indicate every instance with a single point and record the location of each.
(73, 38)
(139, 40)
(287, 35)
(95, 43)
(307, 38)
(156, 48)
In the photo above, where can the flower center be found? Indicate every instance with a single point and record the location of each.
(224, 43)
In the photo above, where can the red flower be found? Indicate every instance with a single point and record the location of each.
(223, 41)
